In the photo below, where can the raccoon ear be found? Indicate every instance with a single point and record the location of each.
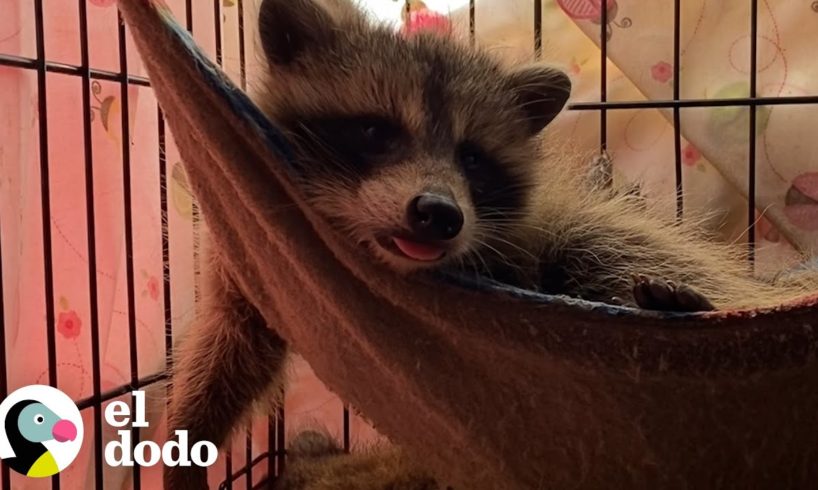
(541, 92)
(288, 27)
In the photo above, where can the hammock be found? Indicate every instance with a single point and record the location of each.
(488, 386)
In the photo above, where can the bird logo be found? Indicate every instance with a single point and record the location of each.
(42, 430)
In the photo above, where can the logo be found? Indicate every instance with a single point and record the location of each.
(148, 453)
(41, 431)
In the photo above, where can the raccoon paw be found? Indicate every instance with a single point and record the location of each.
(651, 293)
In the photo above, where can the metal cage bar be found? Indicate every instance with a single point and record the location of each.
(603, 79)
(128, 221)
(751, 192)
(90, 224)
(5, 475)
(537, 29)
(45, 197)
(472, 22)
(677, 119)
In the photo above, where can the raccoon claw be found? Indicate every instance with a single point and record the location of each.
(617, 301)
(651, 293)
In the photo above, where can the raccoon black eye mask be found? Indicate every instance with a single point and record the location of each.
(487, 386)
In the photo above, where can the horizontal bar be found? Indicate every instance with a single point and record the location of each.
(247, 469)
(66, 69)
(122, 390)
(31, 64)
(667, 104)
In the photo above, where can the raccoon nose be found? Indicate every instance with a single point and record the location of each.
(434, 217)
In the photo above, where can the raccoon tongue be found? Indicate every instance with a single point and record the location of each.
(418, 251)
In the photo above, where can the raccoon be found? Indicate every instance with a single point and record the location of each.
(430, 154)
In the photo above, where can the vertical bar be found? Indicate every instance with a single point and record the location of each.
(271, 451)
(228, 467)
(537, 29)
(217, 25)
(407, 10)
(243, 77)
(42, 111)
(45, 196)
(751, 193)
(195, 218)
(242, 53)
(472, 22)
(128, 220)
(677, 123)
(91, 233)
(189, 16)
(5, 476)
(248, 456)
(603, 76)
(280, 440)
(163, 203)
(346, 428)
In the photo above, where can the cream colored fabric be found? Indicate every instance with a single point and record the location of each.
(715, 63)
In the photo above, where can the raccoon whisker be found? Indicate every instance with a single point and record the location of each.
(475, 267)
(313, 139)
(538, 86)
(535, 102)
(486, 270)
(504, 212)
(500, 255)
(503, 218)
(513, 226)
(496, 239)
(514, 246)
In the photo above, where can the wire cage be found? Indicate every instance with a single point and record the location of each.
(271, 461)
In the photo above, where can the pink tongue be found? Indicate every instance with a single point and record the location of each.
(418, 251)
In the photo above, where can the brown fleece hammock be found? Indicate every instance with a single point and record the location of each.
(487, 386)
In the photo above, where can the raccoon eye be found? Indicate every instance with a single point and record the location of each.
(360, 136)
(375, 133)
(472, 159)
(371, 131)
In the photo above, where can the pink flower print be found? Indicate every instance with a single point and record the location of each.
(575, 68)
(662, 71)
(690, 155)
(585, 9)
(69, 324)
(425, 20)
(152, 287)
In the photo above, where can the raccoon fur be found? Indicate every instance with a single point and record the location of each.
(429, 154)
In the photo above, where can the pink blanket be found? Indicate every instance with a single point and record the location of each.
(490, 388)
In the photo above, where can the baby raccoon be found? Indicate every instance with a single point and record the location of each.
(429, 154)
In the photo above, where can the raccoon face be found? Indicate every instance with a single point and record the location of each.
(419, 148)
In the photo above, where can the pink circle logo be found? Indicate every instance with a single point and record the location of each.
(41, 431)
